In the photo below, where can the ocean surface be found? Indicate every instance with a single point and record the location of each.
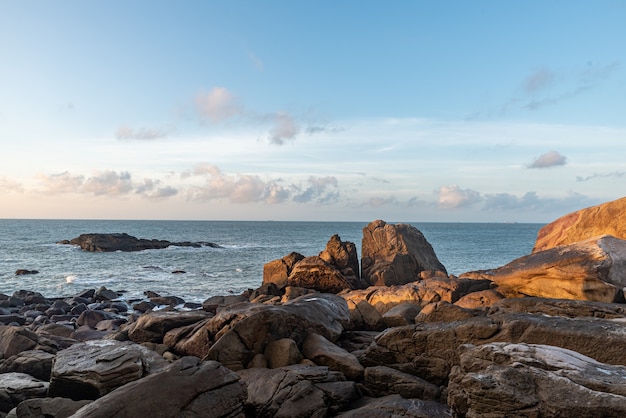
(65, 270)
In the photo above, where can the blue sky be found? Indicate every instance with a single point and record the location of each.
(405, 111)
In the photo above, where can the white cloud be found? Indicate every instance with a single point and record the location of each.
(217, 105)
(453, 197)
(549, 159)
(61, 183)
(10, 186)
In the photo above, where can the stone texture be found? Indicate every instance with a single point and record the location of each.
(445, 312)
(35, 363)
(342, 255)
(594, 269)
(153, 326)
(402, 314)
(92, 369)
(296, 391)
(277, 271)
(283, 352)
(605, 219)
(382, 381)
(14, 340)
(324, 353)
(364, 316)
(314, 273)
(396, 406)
(17, 387)
(125, 242)
(560, 307)
(501, 379)
(395, 254)
(241, 331)
(48, 408)
(187, 388)
(479, 300)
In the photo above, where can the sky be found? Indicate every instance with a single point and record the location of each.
(406, 111)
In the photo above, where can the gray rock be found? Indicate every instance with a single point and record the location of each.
(92, 369)
(382, 381)
(17, 387)
(502, 379)
(35, 363)
(189, 387)
(396, 406)
(48, 408)
(282, 352)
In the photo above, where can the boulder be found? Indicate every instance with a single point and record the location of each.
(396, 406)
(605, 219)
(324, 353)
(342, 255)
(17, 387)
(14, 340)
(430, 350)
(153, 326)
(402, 314)
(241, 331)
(93, 369)
(420, 293)
(502, 379)
(35, 363)
(189, 387)
(296, 391)
(364, 316)
(214, 303)
(48, 407)
(283, 352)
(189, 340)
(277, 271)
(395, 254)
(445, 312)
(314, 273)
(383, 381)
(125, 242)
(594, 269)
(479, 300)
(560, 307)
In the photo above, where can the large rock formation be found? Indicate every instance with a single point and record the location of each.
(125, 242)
(594, 269)
(342, 255)
(502, 379)
(396, 254)
(187, 388)
(605, 219)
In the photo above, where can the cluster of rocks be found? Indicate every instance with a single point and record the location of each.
(542, 336)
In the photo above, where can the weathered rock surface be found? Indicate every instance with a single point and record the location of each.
(297, 391)
(396, 254)
(277, 271)
(283, 352)
(420, 293)
(559, 307)
(396, 406)
(153, 326)
(430, 350)
(14, 340)
(501, 379)
(383, 381)
(241, 331)
(47, 408)
(324, 353)
(36, 363)
(17, 387)
(315, 273)
(594, 269)
(187, 388)
(605, 219)
(125, 242)
(92, 369)
(342, 255)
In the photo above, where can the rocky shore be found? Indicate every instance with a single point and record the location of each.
(393, 335)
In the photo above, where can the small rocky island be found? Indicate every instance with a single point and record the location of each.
(125, 242)
(543, 336)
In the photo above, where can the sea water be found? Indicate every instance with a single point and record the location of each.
(246, 246)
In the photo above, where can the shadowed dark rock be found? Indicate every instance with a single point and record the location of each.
(125, 242)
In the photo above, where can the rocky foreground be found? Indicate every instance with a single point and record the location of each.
(544, 336)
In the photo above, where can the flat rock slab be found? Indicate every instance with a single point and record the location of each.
(17, 387)
(92, 369)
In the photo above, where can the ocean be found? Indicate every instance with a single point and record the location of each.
(65, 270)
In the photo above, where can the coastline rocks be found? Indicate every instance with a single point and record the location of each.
(92, 369)
(336, 268)
(47, 408)
(324, 353)
(396, 406)
(188, 387)
(152, 326)
(125, 242)
(502, 379)
(396, 254)
(17, 387)
(297, 391)
(20, 272)
(606, 219)
(594, 269)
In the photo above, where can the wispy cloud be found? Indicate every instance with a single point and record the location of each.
(319, 189)
(549, 159)
(539, 80)
(10, 186)
(125, 132)
(601, 175)
(217, 105)
(531, 201)
(284, 128)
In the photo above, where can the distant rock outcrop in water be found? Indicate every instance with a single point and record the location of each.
(125, 242)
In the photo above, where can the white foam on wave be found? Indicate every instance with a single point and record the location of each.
(71, 278)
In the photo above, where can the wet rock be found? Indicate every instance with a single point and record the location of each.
(395, 254)
(125, 242)
(20, 272)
